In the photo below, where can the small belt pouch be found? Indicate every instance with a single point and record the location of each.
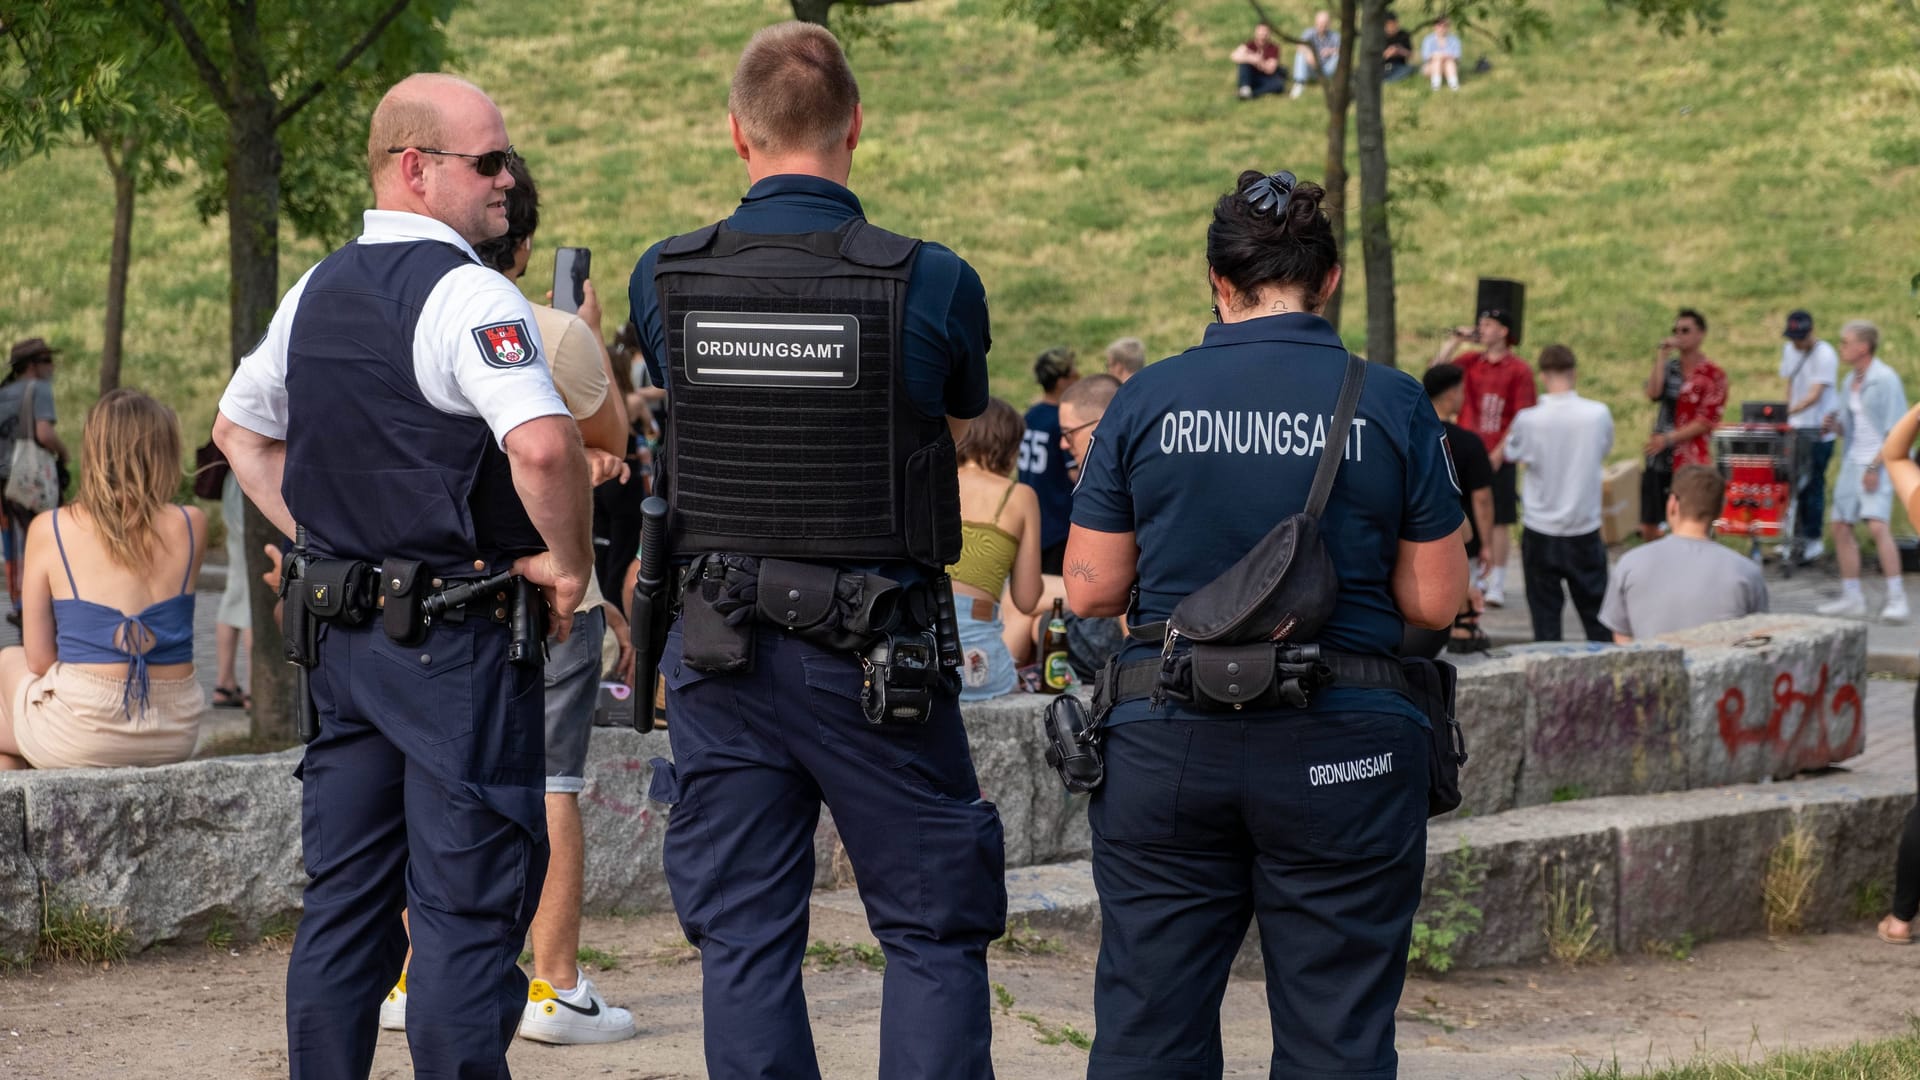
(796, 596)
(1432, 684)
(337, 590)
(403, 596)
(1233, 677)
(716, 629)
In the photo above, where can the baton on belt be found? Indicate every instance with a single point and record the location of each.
(650, 608)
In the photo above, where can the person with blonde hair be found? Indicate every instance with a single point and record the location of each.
(104, 676)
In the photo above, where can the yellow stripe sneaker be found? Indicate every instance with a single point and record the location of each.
(393, 1011)
(572, 1017)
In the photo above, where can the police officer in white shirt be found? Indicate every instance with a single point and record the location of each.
(398, 410)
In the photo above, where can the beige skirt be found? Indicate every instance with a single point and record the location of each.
(74, 718)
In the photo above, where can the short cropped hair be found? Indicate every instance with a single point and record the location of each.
(1091, 395)
(793, 90)
(1864, 331)
(1441, 378)
(1699, 320)
(1557, 359)
(1129, 354)
(1699, 491)
(993, 439)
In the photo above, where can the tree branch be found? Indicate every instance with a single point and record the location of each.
(197, 50)
(346, 60)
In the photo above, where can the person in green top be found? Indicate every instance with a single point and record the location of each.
(999, 549)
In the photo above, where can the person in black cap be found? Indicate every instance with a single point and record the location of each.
(30, 372)
(1811, 369)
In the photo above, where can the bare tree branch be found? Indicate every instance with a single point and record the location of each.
(197, 50)
(347, 58)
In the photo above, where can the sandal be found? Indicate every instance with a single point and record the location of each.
(1890, 937)
(1467, 636)
(230, 697)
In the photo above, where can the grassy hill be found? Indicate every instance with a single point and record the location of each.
(1618, 173)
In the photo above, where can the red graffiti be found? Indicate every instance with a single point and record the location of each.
(1808, 746)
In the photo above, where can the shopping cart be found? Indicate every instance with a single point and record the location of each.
(1764, 463)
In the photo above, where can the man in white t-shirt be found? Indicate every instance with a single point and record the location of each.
(1871, 402)
(1811, 369)
(1563, 441)
(1687, 579)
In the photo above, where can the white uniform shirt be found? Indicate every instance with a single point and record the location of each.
(1563, 441)
(454, 375)
(1819, 365)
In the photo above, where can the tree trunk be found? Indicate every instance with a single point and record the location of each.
(813, 11)
(121, 258)
(253, 248)
(1376, 237)
(1339, 98)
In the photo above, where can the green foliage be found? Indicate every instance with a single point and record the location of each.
(1048, 1034)
(1125, 29)
(1021, 940)
(220, 932)
(279, 929)
(828, 955)
(1870, 900)
(71, 931)
(1896, 1057)
(1567, 793)
(1002, 996)
(1450, 912)
(599, 959)
(1680, 948)
(1573, 927)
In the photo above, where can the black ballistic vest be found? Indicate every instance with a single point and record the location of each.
(373, 470)
(790, 431)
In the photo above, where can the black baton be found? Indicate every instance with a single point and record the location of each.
(647, 610)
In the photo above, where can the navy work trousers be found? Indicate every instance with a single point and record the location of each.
(1313, 824)
(755, 754)
(425, 790)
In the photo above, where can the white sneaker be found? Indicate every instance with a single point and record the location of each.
(1246, 93)
(393, 1011)
(1896, 610)
(1495, 595)
(550, 1018)
(1850, 606)
(1811, 551)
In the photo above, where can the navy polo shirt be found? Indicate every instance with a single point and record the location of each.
(1200, 455)
(945, 336)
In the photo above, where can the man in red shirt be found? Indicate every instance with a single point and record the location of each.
(1692, 392)
(1258, 60)
(1499, 384)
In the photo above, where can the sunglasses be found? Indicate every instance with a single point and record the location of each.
(487, 164)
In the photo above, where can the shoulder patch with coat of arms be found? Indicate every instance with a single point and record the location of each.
(504, 344)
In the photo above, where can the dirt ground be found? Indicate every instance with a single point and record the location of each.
(204, 1013)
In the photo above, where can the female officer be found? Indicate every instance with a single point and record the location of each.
(1311, 820)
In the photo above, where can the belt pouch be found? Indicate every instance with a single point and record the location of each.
(401, 592)
(335, 590)
(798, 597)
(712, 641)
(1432, 684)
(1232, 677)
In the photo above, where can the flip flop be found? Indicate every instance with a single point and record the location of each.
(1893, 939)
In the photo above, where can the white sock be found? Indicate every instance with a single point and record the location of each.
(579, 991)
(1850, 588)
(1896, 588)
(1453, 82)
(1436, 82)
(1498, 579)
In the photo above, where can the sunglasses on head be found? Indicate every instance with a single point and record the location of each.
(487, 164)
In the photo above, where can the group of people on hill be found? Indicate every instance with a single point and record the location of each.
(1257, 69)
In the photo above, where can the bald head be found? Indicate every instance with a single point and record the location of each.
(419, 111)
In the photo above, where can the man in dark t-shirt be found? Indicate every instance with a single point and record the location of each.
(1397, 58)
(1043, 466)
(1446, 387)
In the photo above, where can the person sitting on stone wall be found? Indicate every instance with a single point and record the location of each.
(1686, 579)
(104, 676)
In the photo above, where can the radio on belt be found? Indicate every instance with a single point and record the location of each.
(753, 348)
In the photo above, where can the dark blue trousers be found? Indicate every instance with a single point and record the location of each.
(1300, 821)
(425, 790)
(755, 755)
(1810, 516)
(1259, 82)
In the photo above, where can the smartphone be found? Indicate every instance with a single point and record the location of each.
(571, 268)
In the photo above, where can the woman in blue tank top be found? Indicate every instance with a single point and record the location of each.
(104, 676)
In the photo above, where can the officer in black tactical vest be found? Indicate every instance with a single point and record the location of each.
(818, 370)
(399, 411)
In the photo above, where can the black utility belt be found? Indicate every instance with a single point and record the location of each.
(905, 636)
(1230, 678)
(351, 593)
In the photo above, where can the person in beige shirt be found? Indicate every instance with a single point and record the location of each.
(562, 1005)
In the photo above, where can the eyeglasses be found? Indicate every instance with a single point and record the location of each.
(1067, 432)
(487, 164)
